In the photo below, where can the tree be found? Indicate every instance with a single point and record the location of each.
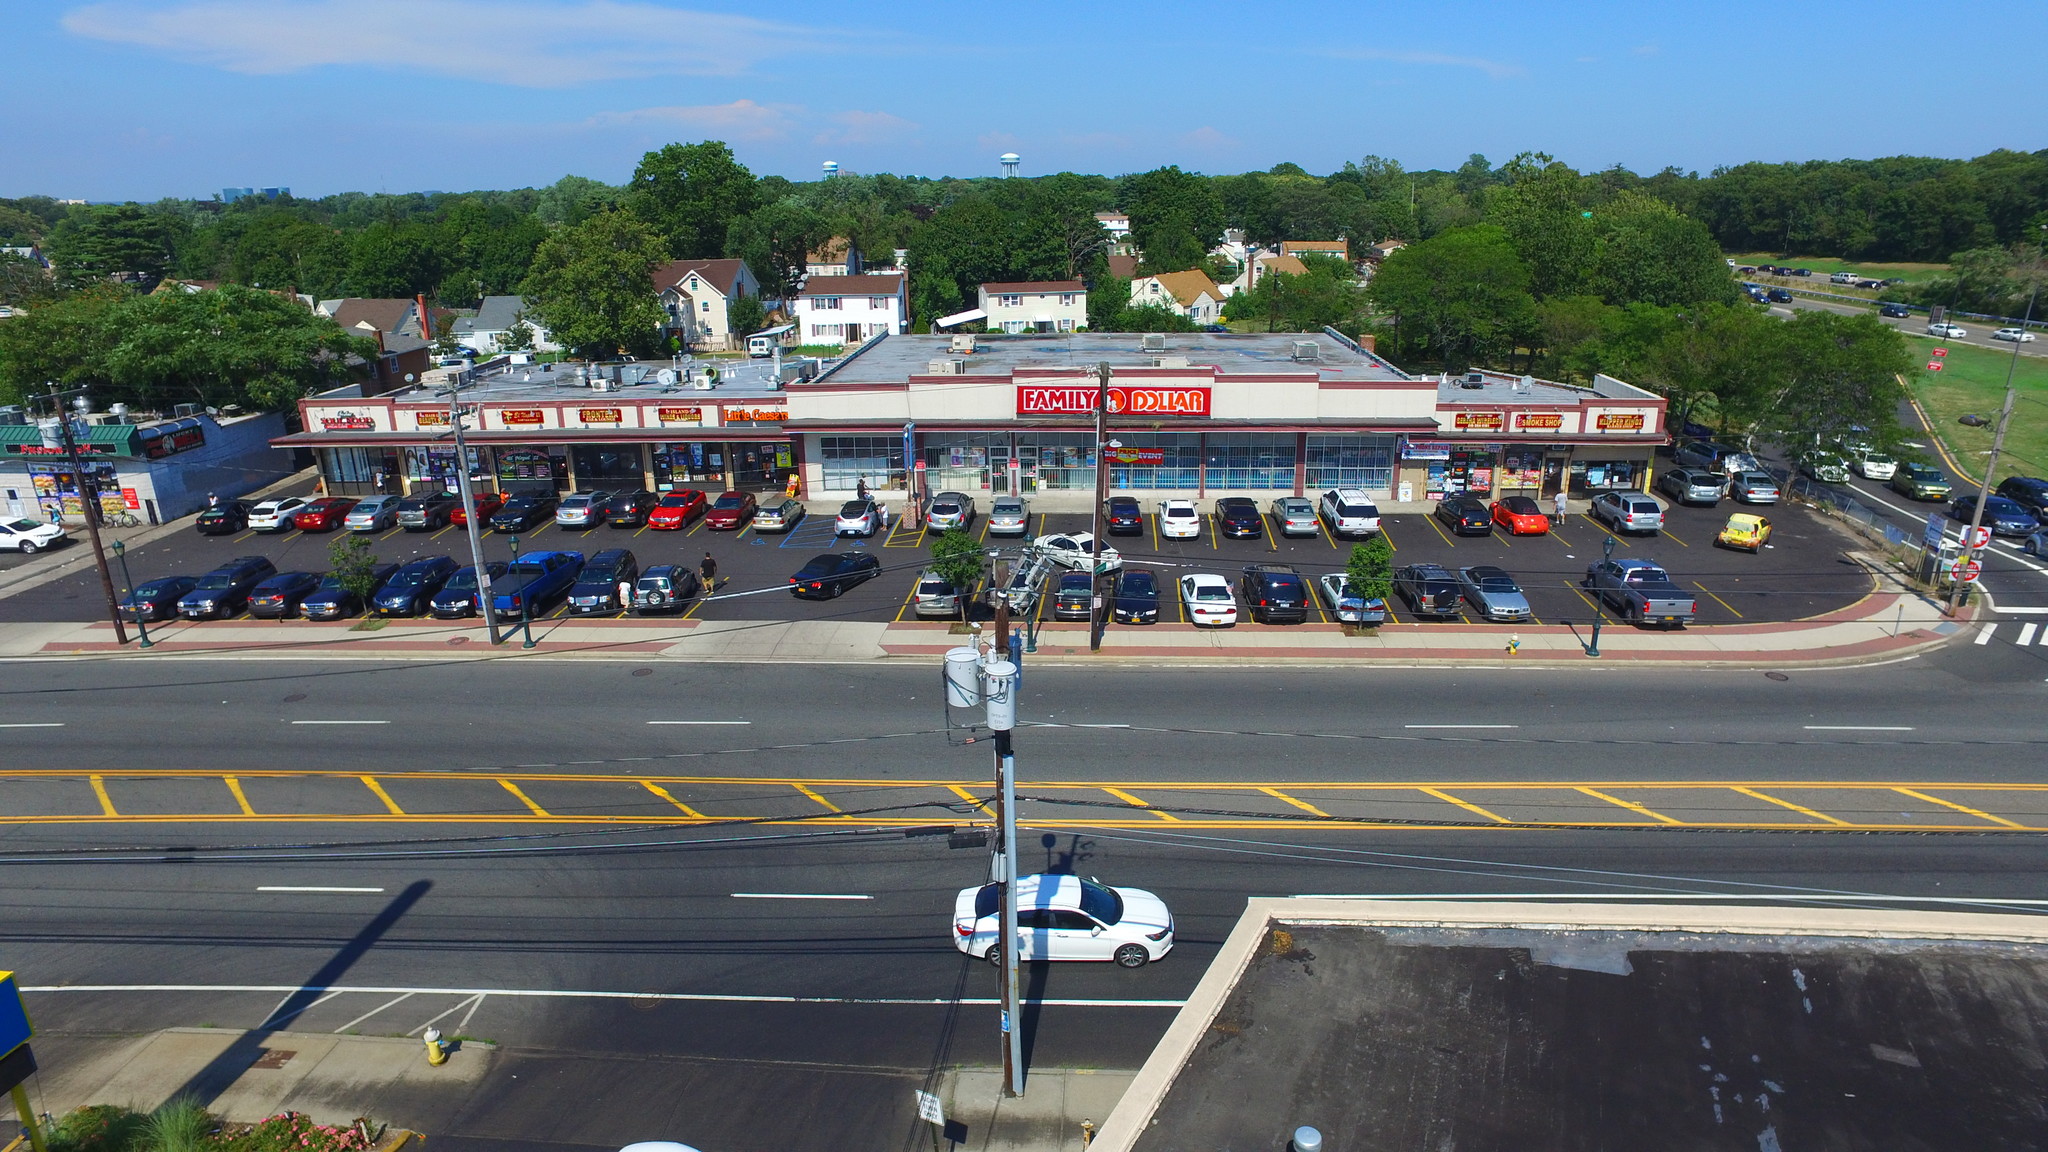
(1060, 213)
(959, 560)
(776, 242)
(573, 199)
(1649, 254)
(24, 282)
(746, 316)
(592, 284)
(353, 564)
(690, 194)
(1326, 295)
(1110, 296)
(1841, 373)
(1370, 573)
(1539, 209)
(519, 337)
(234, 345)
(1175, 217)
(1459, 298)
(111, 239)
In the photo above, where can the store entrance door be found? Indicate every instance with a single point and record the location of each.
(1553, 475)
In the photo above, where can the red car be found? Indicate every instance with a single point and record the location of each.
(487, 505)
(731, 510)
(676, 509)
(1521, 516)
(323, 515)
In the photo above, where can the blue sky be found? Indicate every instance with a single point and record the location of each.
(116, 99)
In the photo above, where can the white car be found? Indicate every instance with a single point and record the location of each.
(2016, 335)
(1874, 465)
(1179, 520)
(1947, 331)
(30, 536)
(1075, 551)
(276, 515)
(1208, 599)
(860, 518)
(1062, 917)
(1350, 512)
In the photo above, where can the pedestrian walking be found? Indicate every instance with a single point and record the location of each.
(707, 571)
(1561, 504)
(625, 595)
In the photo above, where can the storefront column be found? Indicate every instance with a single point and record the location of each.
(1300, 463)
(569, 458)
(1202, 466)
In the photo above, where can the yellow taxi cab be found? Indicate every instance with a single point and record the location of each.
(1745, 531)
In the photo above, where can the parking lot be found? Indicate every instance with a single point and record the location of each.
(1803, 573)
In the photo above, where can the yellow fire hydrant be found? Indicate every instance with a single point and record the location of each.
(437, 1052)
(1514, 645)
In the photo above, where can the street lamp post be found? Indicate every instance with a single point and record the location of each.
(1593, 648)
(141, 625)
(86, 500)
(525, 605)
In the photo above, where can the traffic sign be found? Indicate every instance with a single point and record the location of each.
(1965, 569)
(1941, 351)
(1934, 365)
(14, 1025)
(929, 1108)
(1937, 527)
(1980, 539)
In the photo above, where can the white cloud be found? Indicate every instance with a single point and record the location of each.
(857, 127)
(1493, 68)
(530, 43)
(739, 120)
(1208, 139)
(1650, 49)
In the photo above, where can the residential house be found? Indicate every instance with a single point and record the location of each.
(1341, 249)
(1374, 255)
(850, 309)
(1123, 267)
(698, 295)
(835, 257)
(1118, 225)
(1191, 294)
(494, 321)
(1035, 306)
(403, 332)
(30, 253)
(1285, 265)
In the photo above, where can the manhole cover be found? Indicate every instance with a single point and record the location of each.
(295, 697)
(1776, 676)
(643, 671)
(273, 1058)
(454, 640)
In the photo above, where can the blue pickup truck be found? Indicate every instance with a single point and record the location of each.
(534, 580)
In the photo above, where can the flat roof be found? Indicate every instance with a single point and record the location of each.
(894, 359)
(1504, 388)
(751, 379)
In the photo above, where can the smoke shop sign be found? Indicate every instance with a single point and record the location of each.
(1538, 421)
(1071, 400)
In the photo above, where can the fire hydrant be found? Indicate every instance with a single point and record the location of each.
(1514, 645)
(437, 1052)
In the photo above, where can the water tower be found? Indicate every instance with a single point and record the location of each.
(831, 169)
(1010, 160)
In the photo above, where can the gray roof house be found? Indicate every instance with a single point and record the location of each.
(495, 317)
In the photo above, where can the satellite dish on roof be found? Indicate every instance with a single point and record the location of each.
(666, 377)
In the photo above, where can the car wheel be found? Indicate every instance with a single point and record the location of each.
(1132, 956)
(994, 955)
(28, 548)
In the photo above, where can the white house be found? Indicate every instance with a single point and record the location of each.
(1191, 294)
(698, 295)
(496, 317)
(1035, 306)
(849, 309)
(835, 257)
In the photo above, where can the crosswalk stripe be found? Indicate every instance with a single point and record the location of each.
(1984, 633)
(2026, 634)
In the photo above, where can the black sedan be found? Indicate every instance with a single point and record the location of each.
(157, 599)
(1121, 516)
(331, 601)
(457, 598)
(223, 520)
(629, 509)
(1465, 515)
(411, 587)
(281, 595)
(1137, 598)
(1429, 589)
(831, 573)
(1239, 516)
(523, 511)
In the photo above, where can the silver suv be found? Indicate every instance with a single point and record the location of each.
(1628, 512)
(1691, 485)
(935, 596)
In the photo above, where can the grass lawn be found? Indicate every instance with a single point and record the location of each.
(1973, 380)
(1825, 266)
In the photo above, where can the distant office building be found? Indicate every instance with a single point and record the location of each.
(230, 195)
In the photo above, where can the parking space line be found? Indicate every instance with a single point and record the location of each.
(1557, 536)
(1134, 802)
(1802, 809)
(1155, 535)
(1588, 599)
(1467, 805)
(1717, 599)
(813, 795)
(1666, 533)
(445, 529)
(982, 536)
(386, 536)
(1389, 537)
(1964, 808)
(524, 798)
(907, 598)
(1631, 805)
(1213, 545)
(1431, 521)
(241, 798)
(658, 790)
(244, 536)
(99, 789)
(692, 609)
(1304, 805)
(472, 1004)
(381, 794)
(373, 1012)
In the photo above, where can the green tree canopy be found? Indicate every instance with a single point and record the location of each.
(592, 284)
(1458, 298)
(108, 239)
(691, 194)
(1176, 217)
(1326, 295)
(1647, 253)
(776, 242)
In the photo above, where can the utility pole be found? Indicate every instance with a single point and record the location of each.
(1957, 586)
(475, 532)
(88, 501)
(1097, 600)
(977, 675)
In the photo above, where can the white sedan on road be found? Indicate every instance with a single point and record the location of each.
(2016, 335)
(1948, 331)
(1061, 917)
(1074, 551)
(1179, 520)
(29, 536)
(1208, 599)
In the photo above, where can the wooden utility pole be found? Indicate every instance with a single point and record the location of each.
(1098, 602)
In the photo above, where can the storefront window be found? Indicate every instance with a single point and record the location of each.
(1605, 475)
(356, 471)
(1468, 470)
(966, 461)
(608, 465)
(1181, 468)
(1061, 460)
(847, 459)
(433, 466)
(527, 469)
(1521, 468)
(1238, 460)
(1351, 462)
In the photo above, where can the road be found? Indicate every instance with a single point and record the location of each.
(1916, 324)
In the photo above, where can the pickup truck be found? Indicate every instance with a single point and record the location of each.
(1641, 592)
(533, 580)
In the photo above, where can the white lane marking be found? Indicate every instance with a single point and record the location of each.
(278, 1021)
(372, 1012)
(712, 723)
(544, 993)
(59, 724)
(315, 722)
(797, 896)
(2026, 634)
(1857, 728)
(1461, 725)
(1984, 633)
(2023, 611)
(310, 888)
(1102, 725)
(470, 1004)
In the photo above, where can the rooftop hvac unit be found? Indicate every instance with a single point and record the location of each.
(1169, 361)
(1473, 380)
(12, 416)
(946, 367)
(601, 385)
(1304, 350)
(1153, 341)
(963, 342)
(181, 411)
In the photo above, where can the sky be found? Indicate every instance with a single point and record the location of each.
(142, 99)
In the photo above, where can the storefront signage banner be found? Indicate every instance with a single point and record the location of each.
(1539, 421)
(159, 447)
(39, 450)
(1424, 449)
(753, 415)
(521, 417)
(1058, 400)
(1620, 422)
(1134, 455)
(680, 415)
(346, 421)
(431, 419)
(599, 415)
(1478, 421)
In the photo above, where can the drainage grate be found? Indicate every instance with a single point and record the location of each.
(274, 1058)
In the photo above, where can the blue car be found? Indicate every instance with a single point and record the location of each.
(412, 586)
(2004, 517)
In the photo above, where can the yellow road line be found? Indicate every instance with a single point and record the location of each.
(1431, 521)
(1467, 805)
(1717, 599)
(971, 798)
(99, 789)
(692, 609)
(445, 529)
(815, 796)
(1666, 533)
(1134, 802)
(381, 794)
(1917, 795)
(1628, 804)
(1213, 545)
(1802, 809)
(524, 798)
(1588, 599)
(907, 598)
(1391, 546)
(235, 786)
(658, 790)
(1304, 805)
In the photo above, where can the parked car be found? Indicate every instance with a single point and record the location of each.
(1492, 593)
(2028, 492)
(1066, 917)
(1745, 530)
(1137, 598)
(628, 509)
(523, 510)
(778, 515)
(1753, 488)
(1428, 589)
(1628, 512)
(1692, 485)
(1208, 599)
(1948, 331)
(1009, 516)
(533, 581)
(1274, 594)
(1520, 515)
(676, 509)
(949, 510)
(330, 601)
(2003, 516)
(1872, 464)
(1347, 606)
(323, 515)
(279, 596)
(582, 509)
(276, 515)
(1179, 520)
(1465, 515)
(665, 588)
(1921, 482)
(1825, 467)
(232, 516)
(731, 511)
(1238, 517)
(1894, 311)
(1294, 516)
(424, 511)
(830, 574)
(1076, 551)
(224, 592)
(1074, 597)
(1704, 455)
(155, 600)
(1641, 591)
(933, 596)
(486, 505)
(1122, 517)
(412, 586)
(2015, 335)
(458, 597)
(597, 586)
(29, 537)
(1349, 512)
(861, 517)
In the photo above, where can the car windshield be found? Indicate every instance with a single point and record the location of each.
(1139, 584)
(1101, 902)
(675, 501)
(576, 502)
(1211, 592)
(409, 577)
(23, 525)
(1006, 508)
(215, 581)
(850, 509)
(931, 586)
(653, 584)
(461, 581)
(1498, 584)
(156, 588)
(1180, 510)
(607, 570)
(730, 501)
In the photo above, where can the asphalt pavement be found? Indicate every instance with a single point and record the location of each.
(1978, 331)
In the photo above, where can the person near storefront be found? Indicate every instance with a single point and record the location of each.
(1561, 504)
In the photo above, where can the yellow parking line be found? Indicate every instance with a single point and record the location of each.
(1332, 538)
(99, 789)
(1631, 805)
(1180, 606)
(1431, 521)
(390, 534)
(1717, 599)
(244, 536)
(235, 786)
(1155, 534)
(544, 526)
(1041, 524)
(1802, 809)
(1666, 533)
(907, 598)
(813, 795)
(658, 790)
(1212, 534)
(1391, 546)
(1467, 805)
(984, 530)
(1554, 534)
(643, 528)
(524, 798)
(692, 609)
(445, 529)
(1588, 599)
(383, 795)
(1304, 805)
(1965, 808)
(1134, 802)
(695, 528)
